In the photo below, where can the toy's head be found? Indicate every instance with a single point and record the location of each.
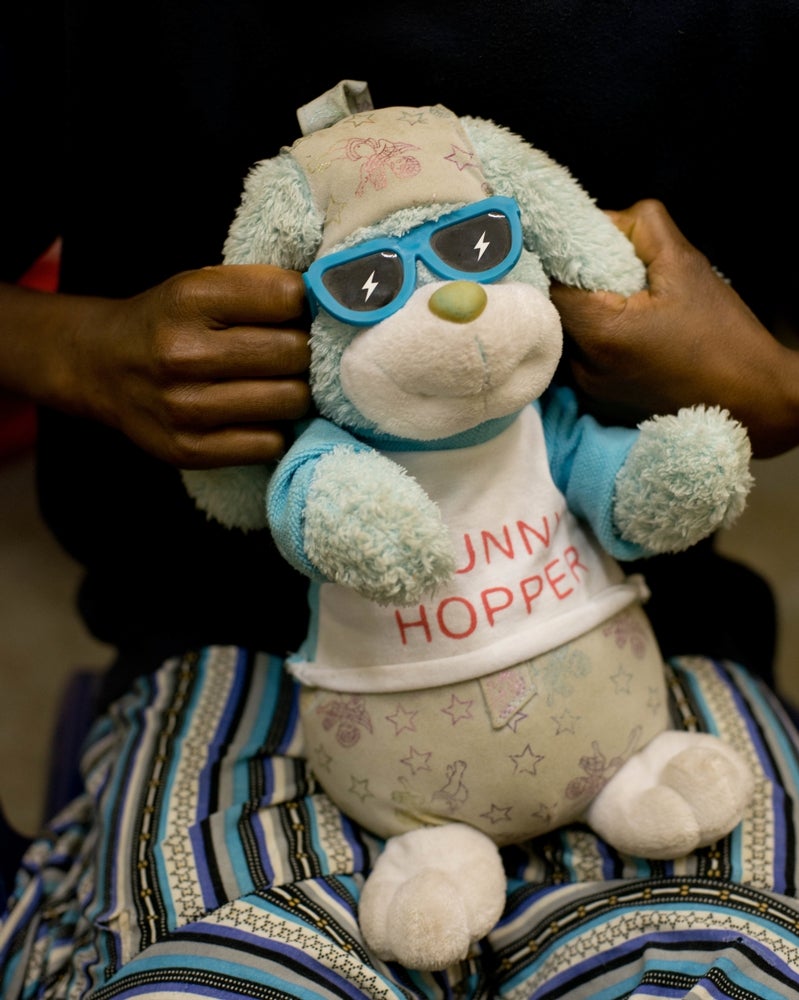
(428, 243)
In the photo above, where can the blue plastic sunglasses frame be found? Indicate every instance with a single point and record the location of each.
(363, 284)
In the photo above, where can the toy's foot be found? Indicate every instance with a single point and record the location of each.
(682, 791)
(432, 894)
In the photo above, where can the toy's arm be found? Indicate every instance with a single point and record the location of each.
(341, 511)
(576, 241)
(585, 458)
(659, 488)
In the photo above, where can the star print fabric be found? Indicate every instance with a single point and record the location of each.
(535, 723)
(371, 164)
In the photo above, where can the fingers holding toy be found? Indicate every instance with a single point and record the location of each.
(651, 230)
(209, 364)
(686, 339)
(243, 301)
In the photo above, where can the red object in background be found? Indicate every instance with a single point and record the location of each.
(17, 426)
(43, 276)
(18, 416)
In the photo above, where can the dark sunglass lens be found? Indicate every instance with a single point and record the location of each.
(366, 283)
(474, 245)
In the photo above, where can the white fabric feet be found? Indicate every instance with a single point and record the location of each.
(432, 893)
(682, 791)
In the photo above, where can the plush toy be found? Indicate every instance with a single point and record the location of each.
(478, 669)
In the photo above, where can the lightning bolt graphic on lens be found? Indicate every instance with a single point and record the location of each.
(482, 245)
(369, 286)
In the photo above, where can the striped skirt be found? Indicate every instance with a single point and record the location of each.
(204, 861)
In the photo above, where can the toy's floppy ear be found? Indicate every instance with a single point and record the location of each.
(277, 221)
(575, 241)
(235, 495)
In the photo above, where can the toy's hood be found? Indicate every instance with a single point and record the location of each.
(362, 163)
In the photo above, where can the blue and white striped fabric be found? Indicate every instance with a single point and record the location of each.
(204, 861)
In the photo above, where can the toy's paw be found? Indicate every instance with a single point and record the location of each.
(681, 792)
(685, 477)
(432, 894)
(371, 527)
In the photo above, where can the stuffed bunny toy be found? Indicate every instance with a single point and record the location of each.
(478, 670)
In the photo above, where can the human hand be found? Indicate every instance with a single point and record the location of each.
(686, 339)
(200, 371)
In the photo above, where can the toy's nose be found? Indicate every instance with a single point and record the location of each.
(458, 301)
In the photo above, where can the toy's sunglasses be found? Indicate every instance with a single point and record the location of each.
(364, 284)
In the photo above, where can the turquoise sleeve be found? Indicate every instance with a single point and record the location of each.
(585, 457)
(288, 488)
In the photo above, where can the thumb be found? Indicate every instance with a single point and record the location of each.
(584, 313)
(650, 229)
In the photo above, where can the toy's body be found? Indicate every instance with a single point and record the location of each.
(501, 667)
(478, 669)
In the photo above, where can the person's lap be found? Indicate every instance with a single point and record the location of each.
(204, 861)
